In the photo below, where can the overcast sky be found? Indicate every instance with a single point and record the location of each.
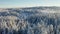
(28, 3)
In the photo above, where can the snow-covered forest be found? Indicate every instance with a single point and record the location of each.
(33, 20)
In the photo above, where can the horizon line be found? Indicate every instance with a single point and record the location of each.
(29, 6)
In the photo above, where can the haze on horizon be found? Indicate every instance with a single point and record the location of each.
(28, 3)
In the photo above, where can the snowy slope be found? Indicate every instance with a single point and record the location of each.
(33, 20)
